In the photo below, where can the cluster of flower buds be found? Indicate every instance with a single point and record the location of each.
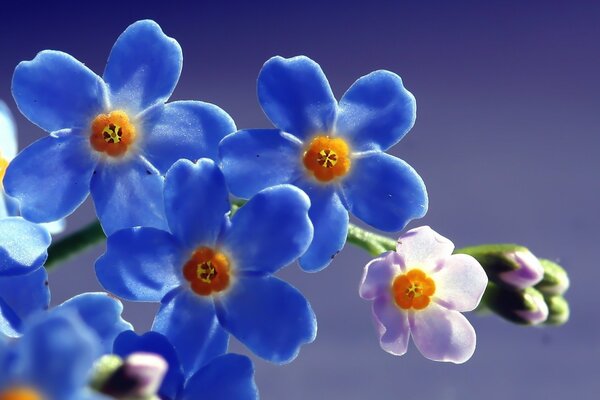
(522, 288)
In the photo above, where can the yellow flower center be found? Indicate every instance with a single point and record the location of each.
(20, 393)
(3, 166)
(327, 158)
(413, 290)
(112, 133)
(208, 271)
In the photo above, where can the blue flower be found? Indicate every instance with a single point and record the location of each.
(113, 136)
(8, 151)
(226, 377)
(23, 279)
(334, 152)
(214, 275)
(52, 360)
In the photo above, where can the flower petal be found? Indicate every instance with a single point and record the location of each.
(140, 264)
(443, 335)
(255, 159)
(379, 274)
(385, 192)
(189, 322)
(55, 91)
(269, 316)
(295, 95)
(51, 177)
(23, 246)
(423, 248)
(143, 67)
(330, 221)
(25, 295)
(196, 201)
(392, 324)
(270, 231)
(183, 129)
(128, 194)
(8, 133)
(102, 314)
(129, 342)
(58, 352)
(230, 376)
(376, 112)
(460, 282)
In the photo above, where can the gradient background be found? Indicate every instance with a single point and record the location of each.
(507, 140)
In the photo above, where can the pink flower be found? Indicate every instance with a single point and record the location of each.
(421, 290)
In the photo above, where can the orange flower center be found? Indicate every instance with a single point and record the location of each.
(327, 158)
(207, 270)
(413, 290)
(112, 133)
(20, 393)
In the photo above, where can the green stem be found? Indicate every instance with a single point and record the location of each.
(74, 243)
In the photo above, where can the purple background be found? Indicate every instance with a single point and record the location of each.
(507, 141)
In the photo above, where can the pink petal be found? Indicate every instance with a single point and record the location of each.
(442, 335)
(392, 324)
(460, 282)
(422, 247)
(378, 276)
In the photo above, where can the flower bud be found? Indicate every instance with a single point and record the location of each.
(529, 271)
(522, 306)
(559, 310)
(555, 281)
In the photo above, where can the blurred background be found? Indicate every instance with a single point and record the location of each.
(507, 140)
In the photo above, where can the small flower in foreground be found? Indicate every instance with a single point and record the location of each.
(8, 151)
(226, 377)
(113, 136)
(51, 361)
(213, 274)
(334, 152)
(420, 290)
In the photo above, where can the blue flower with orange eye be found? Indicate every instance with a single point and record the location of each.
(334, 152)
(226, 377)
(8, 151)
(52, 360)
(213, 274)
(113, 136)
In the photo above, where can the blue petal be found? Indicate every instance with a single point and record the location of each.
(101, 313)
(376, 112)
(330, 221)
(295, 95)
(143, 67)
(270, 231)
(129, 342)
(55, 91)
(256, 159)
(189, 322)
(385, 192)
(269, 316)
(57, 352)
(227, 377)
(183, 129)
(196, 201)
(128, 194)
(51, 177)
(23, 246)
(140, 264)
(25, 295)
(8, 133)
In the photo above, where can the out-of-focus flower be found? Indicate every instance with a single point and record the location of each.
(226, 377)
(334, 152)
(113, 136)
(52, 360)
(420, 290)
(8, 151)
(214, 275)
